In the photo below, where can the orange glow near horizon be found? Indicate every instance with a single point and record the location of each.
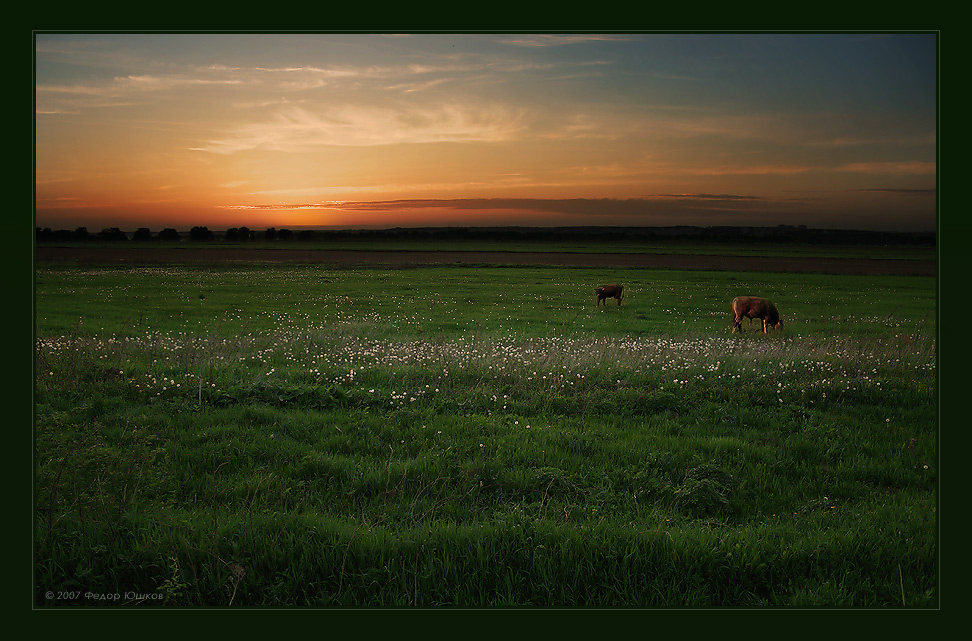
(282, 131)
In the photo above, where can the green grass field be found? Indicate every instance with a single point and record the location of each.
(459, 436)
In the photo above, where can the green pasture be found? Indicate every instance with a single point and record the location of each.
(301, 435)
(446, 302)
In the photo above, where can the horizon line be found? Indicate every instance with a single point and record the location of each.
(379, 228)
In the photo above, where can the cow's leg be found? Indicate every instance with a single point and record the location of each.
(764, 325)
(619, 301)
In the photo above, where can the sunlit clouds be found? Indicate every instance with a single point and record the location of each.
(223, 129)
(297, 129)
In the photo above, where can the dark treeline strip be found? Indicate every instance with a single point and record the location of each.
(779, 234)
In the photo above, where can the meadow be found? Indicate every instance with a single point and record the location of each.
(302, 435)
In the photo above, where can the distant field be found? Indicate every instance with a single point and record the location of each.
(405, 254)
(900, 252)
(623, 247)
(256, 434)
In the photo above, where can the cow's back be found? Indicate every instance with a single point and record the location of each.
(747, 305)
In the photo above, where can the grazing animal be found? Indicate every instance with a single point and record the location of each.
(609, 291)
(754, 307)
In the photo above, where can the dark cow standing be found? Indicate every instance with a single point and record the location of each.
(754, 307)
(609, 291)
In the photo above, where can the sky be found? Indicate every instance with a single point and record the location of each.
(359, 130)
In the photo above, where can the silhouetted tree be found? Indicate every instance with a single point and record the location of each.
(201, 233)
(168, 234)
(306, 234)
(270, 234)
(237, 233)
(81, 233)
(142, 233)
(285, 234)
(112, 234)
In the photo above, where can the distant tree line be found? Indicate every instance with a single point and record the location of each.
(780, 234)
(144, 234)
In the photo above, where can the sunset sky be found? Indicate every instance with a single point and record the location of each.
(388, 130)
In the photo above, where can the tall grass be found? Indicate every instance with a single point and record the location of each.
(462, 437)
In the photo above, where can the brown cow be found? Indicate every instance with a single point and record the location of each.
(609, 291)
(753, 307)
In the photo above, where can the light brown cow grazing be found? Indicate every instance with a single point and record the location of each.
(754, 307)
(609, 291)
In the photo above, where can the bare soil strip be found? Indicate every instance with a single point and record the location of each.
(175, 255)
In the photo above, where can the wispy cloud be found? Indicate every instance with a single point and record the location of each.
(120, 91)
(903, 192)
(557, 40)
(733, 197)
(878, 167)
(296, 128)
(746, 170)
(279, 81)
(573, 206)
